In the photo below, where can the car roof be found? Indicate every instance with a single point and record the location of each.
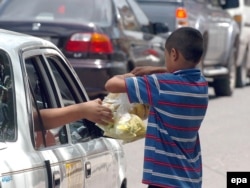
(10, 40)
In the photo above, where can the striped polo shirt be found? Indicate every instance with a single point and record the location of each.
(178, 103)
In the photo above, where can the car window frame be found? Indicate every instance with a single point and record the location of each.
(77, 87)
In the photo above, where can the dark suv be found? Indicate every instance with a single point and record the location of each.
(99, 39)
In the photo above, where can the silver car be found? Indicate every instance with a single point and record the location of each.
(34, 75)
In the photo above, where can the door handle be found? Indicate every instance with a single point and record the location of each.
(87, 169)
(56, 179)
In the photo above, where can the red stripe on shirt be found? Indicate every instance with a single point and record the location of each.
(148, 90)
(159, 185)
(182, 105)
(183, 83)
(190, 150)
(181, 128)
(173, 165)
(160, 140)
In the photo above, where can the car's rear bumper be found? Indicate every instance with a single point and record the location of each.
(93, 73)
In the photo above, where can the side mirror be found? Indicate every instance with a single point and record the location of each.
(227, 4)
(160, 28)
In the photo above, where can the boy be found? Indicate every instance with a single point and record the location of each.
(178, 99)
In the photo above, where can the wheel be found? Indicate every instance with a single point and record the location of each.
(224, 85)
(241, 74)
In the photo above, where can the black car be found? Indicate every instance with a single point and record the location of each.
(99, 39)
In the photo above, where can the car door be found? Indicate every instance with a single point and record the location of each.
(59, 156)
(98, 165)
(84, 160)
(20, 164)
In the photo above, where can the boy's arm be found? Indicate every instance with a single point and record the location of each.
(145, 70)
(117, 84)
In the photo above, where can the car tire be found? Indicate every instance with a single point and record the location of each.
(225, 85)
(241, 74)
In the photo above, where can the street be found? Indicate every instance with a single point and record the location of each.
(224, 138)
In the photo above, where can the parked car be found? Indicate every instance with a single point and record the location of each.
(99, 39)
(34, 74)
(241, 13)
(220, 31)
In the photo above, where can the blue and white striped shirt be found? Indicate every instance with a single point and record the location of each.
(178, 103)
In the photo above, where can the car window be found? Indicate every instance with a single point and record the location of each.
(128, 18)
(80, 130)
(58, 10)
(47, 77)
(140, 15)
(7, 116)
(41, 100)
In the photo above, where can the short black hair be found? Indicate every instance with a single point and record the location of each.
(188, 41)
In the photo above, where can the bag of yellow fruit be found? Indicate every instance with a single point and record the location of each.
(128, 122)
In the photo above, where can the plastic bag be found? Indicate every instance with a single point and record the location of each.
(128, 118)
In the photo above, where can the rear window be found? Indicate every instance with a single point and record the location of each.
(160, 11)
(57, 10)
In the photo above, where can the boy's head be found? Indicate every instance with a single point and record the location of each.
(188, 42)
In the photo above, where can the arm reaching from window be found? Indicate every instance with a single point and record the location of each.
(91, 110)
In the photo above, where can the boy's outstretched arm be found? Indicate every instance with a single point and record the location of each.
(117, 84)
(145, 70)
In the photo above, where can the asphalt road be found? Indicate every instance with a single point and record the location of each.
(225, 141)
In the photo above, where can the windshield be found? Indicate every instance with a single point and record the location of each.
(95, 11)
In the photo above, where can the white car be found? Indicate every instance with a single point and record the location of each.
(241, 15)
(34, 74)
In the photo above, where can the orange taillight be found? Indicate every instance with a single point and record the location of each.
(89, 43)
(181, 13)
(181, 17)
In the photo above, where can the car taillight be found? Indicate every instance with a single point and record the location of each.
(151, 52)
(181, 13)
(89, 43)
(181, 17)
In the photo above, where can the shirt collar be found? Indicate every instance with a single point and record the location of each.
(187, 71)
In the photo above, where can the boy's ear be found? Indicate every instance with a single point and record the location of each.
(174, 54)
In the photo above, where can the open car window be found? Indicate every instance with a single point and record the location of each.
(80, 130)
(53, 85)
